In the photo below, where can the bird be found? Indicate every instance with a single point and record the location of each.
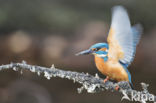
(113, 58)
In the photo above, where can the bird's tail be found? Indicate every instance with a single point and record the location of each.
(131, 85)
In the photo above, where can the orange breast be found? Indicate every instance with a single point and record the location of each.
(113, 70)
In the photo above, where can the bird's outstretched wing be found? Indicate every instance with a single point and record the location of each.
(122, 37)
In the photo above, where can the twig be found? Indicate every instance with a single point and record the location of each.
(90, 83)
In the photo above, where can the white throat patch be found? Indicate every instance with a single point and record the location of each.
(101, 55)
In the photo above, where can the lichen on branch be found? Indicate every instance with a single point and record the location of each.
(90, 83)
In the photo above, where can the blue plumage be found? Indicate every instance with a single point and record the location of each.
(129, 74)
(99, 45)
(101, 52)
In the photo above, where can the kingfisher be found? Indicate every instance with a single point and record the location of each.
(113, 58)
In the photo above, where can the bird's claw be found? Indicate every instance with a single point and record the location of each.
(117, 88)
(106, 79)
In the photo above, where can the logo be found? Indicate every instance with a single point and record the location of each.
(138, 96)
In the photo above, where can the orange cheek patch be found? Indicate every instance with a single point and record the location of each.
(103, 49)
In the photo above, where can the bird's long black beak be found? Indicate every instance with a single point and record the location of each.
(85, 52)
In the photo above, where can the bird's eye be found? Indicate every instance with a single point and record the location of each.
(95, 49)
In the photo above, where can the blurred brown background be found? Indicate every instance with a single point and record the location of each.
(46, 32)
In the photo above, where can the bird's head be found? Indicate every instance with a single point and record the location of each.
(99, 50)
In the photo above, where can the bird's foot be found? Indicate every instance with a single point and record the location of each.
(117, 88)
(106, 79)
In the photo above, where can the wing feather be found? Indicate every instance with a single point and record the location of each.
(122, 37)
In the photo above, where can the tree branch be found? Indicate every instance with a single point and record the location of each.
(90, 83)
